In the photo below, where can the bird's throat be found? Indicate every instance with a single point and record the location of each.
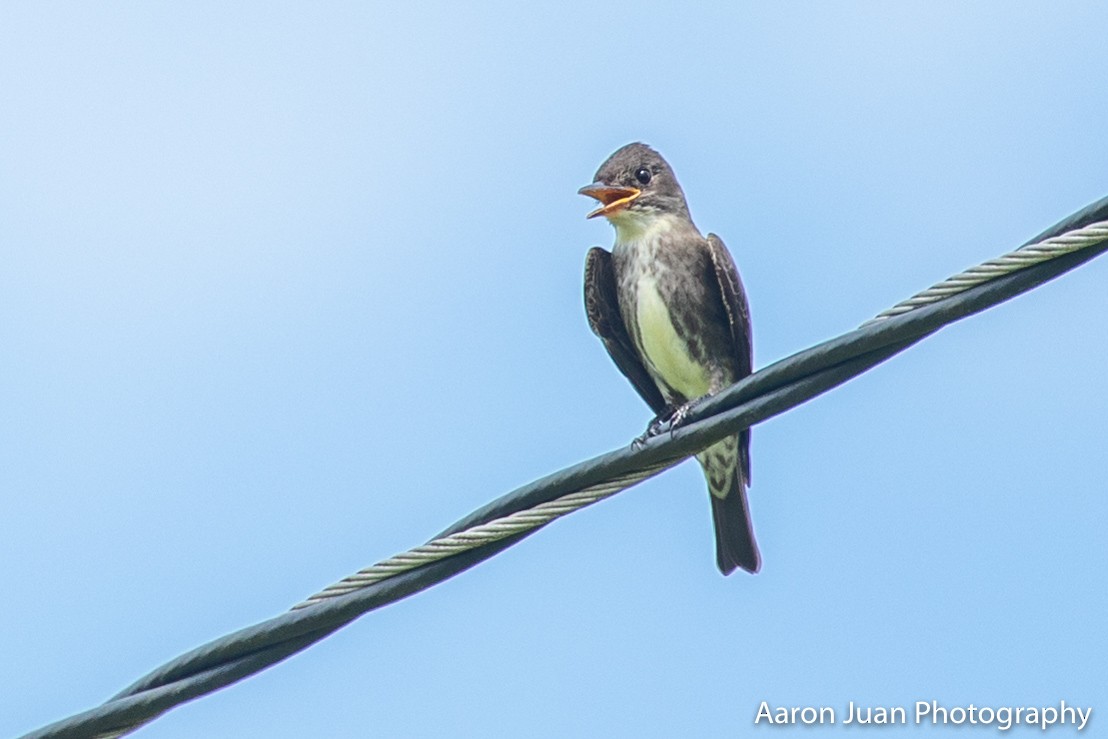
(636, 226)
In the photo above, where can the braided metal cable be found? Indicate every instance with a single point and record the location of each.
(495, 530)
(544, 513)
(505, 521)
(1013, 261)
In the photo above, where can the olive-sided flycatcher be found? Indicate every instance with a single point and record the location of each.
(670, 308)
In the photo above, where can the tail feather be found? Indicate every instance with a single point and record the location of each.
(735, 545)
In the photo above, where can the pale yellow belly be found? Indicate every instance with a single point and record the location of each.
(665, 352)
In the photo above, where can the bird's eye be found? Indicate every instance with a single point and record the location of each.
(642, 174)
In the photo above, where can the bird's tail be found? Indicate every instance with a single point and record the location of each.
(735, 545)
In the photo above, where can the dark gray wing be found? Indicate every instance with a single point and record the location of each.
(602, 308)
(738, 314)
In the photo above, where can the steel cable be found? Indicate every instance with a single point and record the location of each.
(510, 518)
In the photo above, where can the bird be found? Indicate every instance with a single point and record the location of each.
(669, 306)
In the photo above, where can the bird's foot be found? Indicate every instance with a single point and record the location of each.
(680, 413)
(655, 427)
(670, 419)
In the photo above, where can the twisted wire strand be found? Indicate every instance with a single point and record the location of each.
(544, 513)
(1013, 261)
(794, 380)
(495, 530)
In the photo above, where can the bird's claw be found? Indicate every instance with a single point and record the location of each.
(654, 428)
(680, 413)
(671, 418)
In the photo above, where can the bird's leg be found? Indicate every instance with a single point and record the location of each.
(680, 413)
(656, 425)
(671, 417)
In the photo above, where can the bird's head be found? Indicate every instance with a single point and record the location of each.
(635, 186)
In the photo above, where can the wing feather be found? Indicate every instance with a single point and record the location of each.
(738, 314)
(605, 320)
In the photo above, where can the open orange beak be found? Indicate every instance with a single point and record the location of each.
(613, 199)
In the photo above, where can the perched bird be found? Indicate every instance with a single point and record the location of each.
(670, 308)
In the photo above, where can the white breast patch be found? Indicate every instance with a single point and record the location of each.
(664, 350)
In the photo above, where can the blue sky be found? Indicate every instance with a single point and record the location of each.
(287, 288)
